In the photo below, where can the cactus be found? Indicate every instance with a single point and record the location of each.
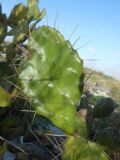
(18, 12)
(20, 32)
(40, 17)
(34, 13)
(5, 98)
(3, 18)
(76, 148)
(51, 77)
(80, 123)
(10, 52)
(33, 10)
(3, 31)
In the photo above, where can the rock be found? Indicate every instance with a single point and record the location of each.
(104, 108)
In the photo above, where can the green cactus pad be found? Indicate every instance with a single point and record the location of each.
(18, 12)
(33, 10)
(76, 148)
(20, 32)
(80, 123)
(51, 77)
(20, 38)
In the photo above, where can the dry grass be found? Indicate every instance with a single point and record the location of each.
(109, 83)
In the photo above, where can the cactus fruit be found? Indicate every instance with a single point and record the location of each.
(76, 148)
(3, 31)
(104, 108)
(51, 77)
(18, 12)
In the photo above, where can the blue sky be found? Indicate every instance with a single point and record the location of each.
(97, 22)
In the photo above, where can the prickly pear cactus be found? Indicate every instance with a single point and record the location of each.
(33, 10)
(21, 33)
(34, 13)
(18, 12)
(5, 98)
(10, 52)
(76, 148)
(50, 78)
(81, 127)
(3, 31)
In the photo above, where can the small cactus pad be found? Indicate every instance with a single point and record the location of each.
(76, 148)
(33, 10)
(18, 12)
(50, 78)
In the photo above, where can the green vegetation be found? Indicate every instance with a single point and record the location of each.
(103, 81)
(51, 84)
(41, 82)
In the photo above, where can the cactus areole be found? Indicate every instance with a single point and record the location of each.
(50, 77)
